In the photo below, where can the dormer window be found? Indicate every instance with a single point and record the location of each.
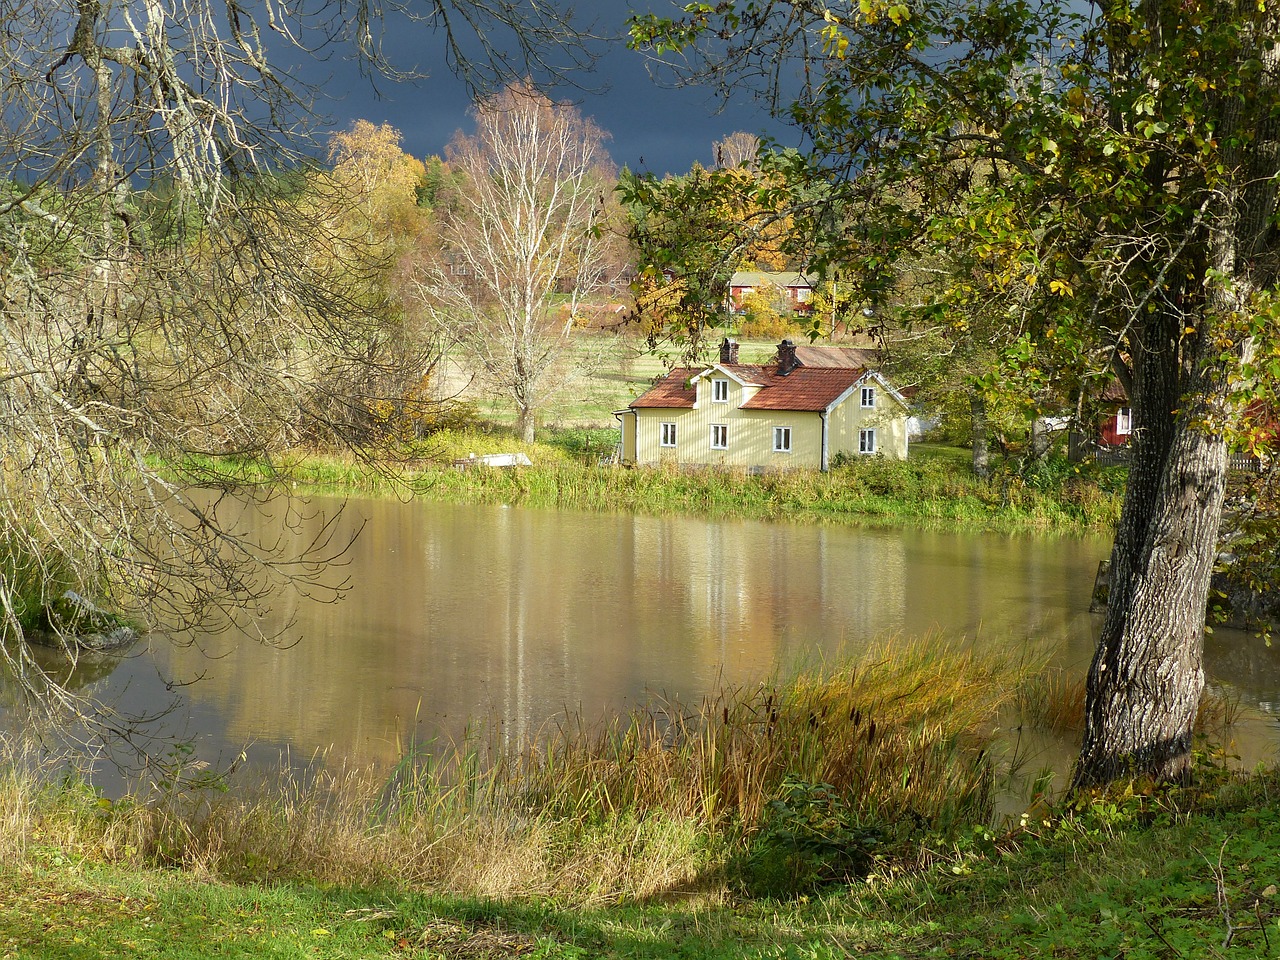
(720, 391)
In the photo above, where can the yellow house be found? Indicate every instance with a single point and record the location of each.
(783, 415)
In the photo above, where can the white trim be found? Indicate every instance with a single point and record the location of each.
(664, 433)
(777, 434)
(873, 374)
(723, 371)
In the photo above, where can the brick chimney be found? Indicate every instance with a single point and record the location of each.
(728, 351)
(787, 358)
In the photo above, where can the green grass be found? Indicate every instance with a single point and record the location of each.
(1170, 874)
(933, 489)
(930, 491)
(844, 811)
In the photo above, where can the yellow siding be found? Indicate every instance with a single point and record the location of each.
(627, 440)
(750, 432)
(888, 419)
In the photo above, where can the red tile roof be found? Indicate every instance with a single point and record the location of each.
(805, 388)
(673, 390)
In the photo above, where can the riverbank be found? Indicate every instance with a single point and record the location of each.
(843, 811)
(1174, 874)
(933, 489)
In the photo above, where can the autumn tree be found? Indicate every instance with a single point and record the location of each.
(385, 390)
(164, 264)
(1129, 156)
(522, 244)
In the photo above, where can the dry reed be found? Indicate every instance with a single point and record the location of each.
(658, 801)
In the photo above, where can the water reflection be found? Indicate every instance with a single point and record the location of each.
(510, 616)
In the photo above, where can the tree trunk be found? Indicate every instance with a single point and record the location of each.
(526, 419)
(981, 451)
(1147, 675)
(1039, 439)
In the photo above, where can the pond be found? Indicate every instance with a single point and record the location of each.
(509, 617)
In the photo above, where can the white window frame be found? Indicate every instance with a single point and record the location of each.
(719, 436)
(667, 436)
(868, 397)
(781, 439)
(867, 440)
(719, 391)
(1124, 421)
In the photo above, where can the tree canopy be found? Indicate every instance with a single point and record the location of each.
(1111, 172)
(524, 238)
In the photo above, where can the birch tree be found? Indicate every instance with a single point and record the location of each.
(165, 282)
(524, 242)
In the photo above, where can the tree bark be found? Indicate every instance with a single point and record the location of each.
(1147, 675)
(981, 449)
(525, 423)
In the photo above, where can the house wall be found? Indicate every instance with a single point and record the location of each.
(1115, 428)
(627, 438)
(751, 431)
(750, 438)
(888, 419)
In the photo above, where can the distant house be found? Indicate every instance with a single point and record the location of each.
(795, 288)
(782, 415)
(1115, 426)
(1116, 423)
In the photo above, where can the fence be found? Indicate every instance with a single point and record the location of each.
(1118, 456)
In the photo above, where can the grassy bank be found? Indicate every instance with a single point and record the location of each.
(846, 810)
(1188, 874)
(934, 488)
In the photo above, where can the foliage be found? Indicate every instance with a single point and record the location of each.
(809, 839)
(1091, 192)
(182, 280)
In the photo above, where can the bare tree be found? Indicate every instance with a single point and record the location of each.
(173, 285)
(525, 243)
(738, 149)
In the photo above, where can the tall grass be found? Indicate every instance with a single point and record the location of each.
(661, 800)
(34, 577)
(926, 490)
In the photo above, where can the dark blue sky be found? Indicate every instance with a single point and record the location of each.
(669, 129)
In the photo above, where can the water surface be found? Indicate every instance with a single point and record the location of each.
(512, 616)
